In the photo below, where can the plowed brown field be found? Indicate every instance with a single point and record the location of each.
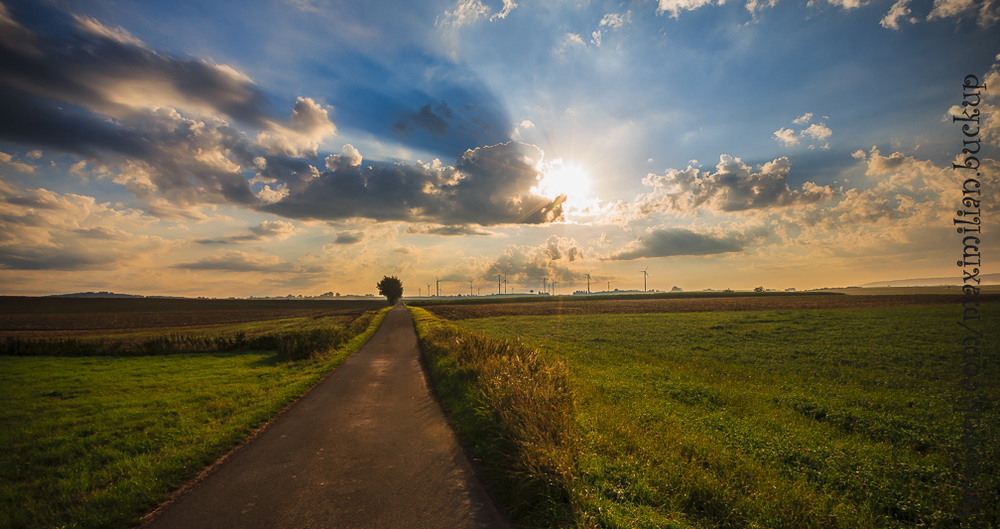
(707, 304)
(77, 314)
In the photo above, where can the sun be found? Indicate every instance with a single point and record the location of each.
(562, 178)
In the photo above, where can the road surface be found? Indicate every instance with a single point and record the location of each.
(368, 447)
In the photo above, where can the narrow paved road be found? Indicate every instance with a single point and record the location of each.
(368, 447)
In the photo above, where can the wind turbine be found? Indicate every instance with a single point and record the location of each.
(470, 288)
(498, 284)
(588, 282)
(645, 275)
(437, 287)
(545, 287)
(505, 283)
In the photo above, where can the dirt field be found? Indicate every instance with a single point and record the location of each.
(707, 304)
(69, 314)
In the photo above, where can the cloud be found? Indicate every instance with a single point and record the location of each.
(276, 230)
(160, 125)
(986, 14)
(570, 40)
(349, 237)
(487, 186)
(900, 11)
(45, 230)
(349, 157)
(988, 108)
(308, 125)
(528, 265)
(94, 27)
(847, 4)
(470, 11)
(676, 6)
(237, 261)
(433, 120)
(756, 6)
(447, 231)
(819, 132)
(951, 8)
(909, 195)
(669, 242)
(733, 187)
(7, 160)
(787, 137)
(610, 22)
(508, 6)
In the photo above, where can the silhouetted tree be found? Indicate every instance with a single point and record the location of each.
(391, 287)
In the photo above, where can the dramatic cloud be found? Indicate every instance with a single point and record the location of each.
(45, 230)
(349, 237)
(308, 125)
(487, 185)
(349, 157)
(237, 261)
(668, 242)
(162, 122)
(447, 231)
(528, 265)
(277, 230)
(433, 120)
(734, 186)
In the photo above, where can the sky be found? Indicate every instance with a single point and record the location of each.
(275, 147)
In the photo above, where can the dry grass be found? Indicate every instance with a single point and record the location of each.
(514, 407)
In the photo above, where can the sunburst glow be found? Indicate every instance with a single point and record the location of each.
(561, 178)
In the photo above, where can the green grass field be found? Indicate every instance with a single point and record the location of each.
(96, 442)
(769, 419)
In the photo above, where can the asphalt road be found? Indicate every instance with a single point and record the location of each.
(368, 447)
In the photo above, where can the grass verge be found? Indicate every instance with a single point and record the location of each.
(512, 406)
(96, 442)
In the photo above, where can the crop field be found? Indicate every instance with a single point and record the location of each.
(97, 441)
(20, 316)
(761, 417)
(686, 302)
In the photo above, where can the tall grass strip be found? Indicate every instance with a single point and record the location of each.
(513, 407)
